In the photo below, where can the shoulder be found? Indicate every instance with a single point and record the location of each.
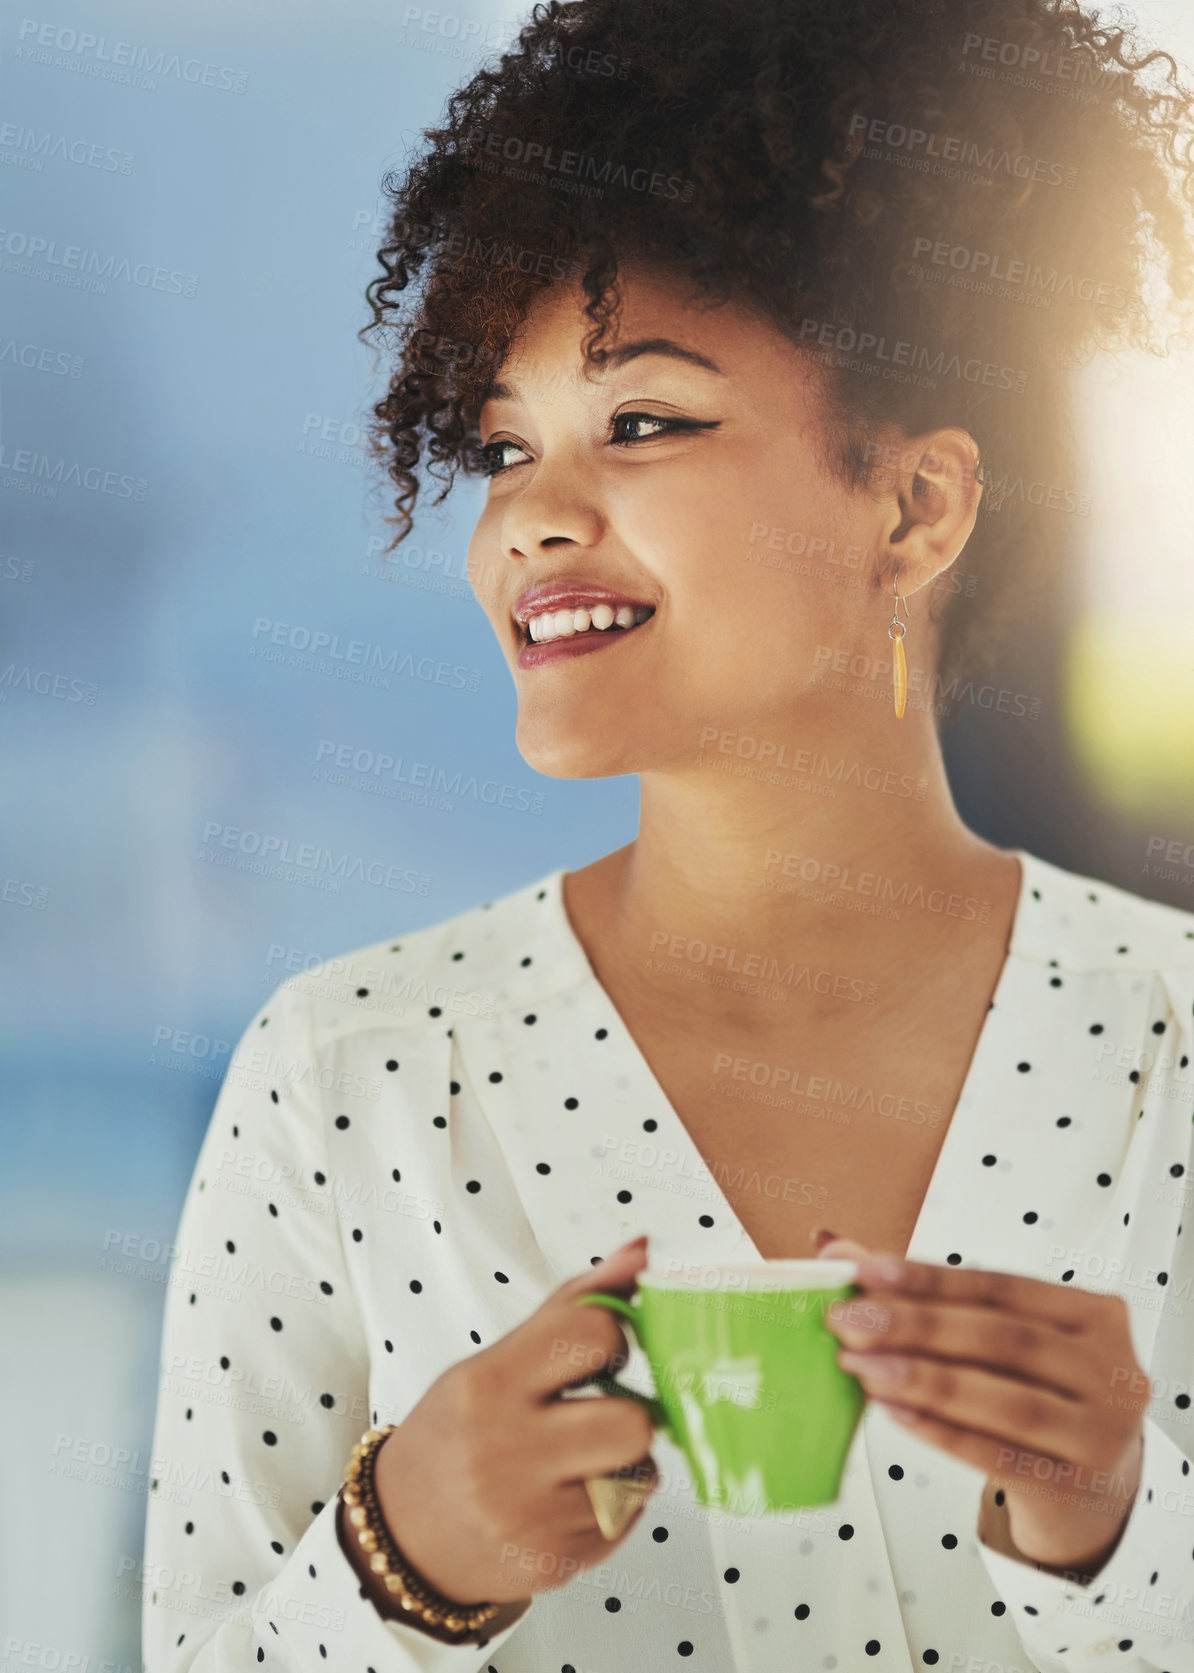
(487, 958)
(1084, 924)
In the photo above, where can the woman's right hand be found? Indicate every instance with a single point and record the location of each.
(482, 1484)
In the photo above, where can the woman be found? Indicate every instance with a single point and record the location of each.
(741, 312)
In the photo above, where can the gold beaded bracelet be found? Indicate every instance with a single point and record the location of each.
(451, 1623)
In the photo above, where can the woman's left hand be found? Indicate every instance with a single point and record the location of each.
(1036, 1384)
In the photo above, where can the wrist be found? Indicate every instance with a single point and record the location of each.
(995, 1531)
(391, 1579)
(1106, 1524)
(1082, 1570)
(398, 1490)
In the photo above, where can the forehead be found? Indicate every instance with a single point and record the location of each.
(657, 310)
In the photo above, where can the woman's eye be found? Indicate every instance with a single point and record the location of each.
(635, 418)
(492, 461)
(661, 426)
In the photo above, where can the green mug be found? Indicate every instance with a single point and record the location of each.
(746, 1377)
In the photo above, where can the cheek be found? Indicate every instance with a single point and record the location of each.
(689, 523)
(482, 566)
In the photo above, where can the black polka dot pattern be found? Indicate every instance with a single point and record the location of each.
(406, 1183)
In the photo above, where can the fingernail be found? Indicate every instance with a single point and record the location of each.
(879, 1367)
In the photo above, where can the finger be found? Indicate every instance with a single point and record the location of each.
(592, 1435)
(566, 1540)
(1023, 1348)
(986, 1452)
(1064, 1305)
(1009, 1411)
(842, 1249)
(562, 1344)
(600, 1274)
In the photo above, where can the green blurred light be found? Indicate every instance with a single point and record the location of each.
(1128, 702)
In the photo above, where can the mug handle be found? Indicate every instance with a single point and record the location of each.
(604, 1381)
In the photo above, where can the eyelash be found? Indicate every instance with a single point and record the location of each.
(671, 426)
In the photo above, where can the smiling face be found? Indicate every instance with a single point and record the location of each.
(685, 478)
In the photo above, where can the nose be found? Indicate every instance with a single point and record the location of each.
(555, 511)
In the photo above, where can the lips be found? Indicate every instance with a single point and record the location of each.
(534, 654)
(573, 595)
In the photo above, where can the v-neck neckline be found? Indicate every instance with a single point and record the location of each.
(672, 1134)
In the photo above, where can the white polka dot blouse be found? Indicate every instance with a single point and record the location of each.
(417, 1142)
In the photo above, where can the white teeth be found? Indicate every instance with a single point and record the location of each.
(562, 624)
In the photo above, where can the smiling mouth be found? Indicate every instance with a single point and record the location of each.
(552, 626)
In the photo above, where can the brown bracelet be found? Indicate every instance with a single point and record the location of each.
(421, 1605)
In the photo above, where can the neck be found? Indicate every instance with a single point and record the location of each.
(862, 866)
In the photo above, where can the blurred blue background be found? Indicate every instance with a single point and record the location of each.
(180, 481)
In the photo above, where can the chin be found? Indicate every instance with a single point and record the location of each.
(561, 753)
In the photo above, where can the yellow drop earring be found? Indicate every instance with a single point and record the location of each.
(899, 667)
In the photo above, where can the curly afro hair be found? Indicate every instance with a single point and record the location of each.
(949, 204)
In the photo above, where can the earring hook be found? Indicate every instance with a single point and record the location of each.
(895, 619)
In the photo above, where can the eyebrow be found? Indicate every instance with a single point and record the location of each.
(496, 391)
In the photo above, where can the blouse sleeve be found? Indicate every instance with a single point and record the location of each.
(1137, 1613)
(264, 1390)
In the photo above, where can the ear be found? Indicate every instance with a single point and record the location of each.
(930, 494)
